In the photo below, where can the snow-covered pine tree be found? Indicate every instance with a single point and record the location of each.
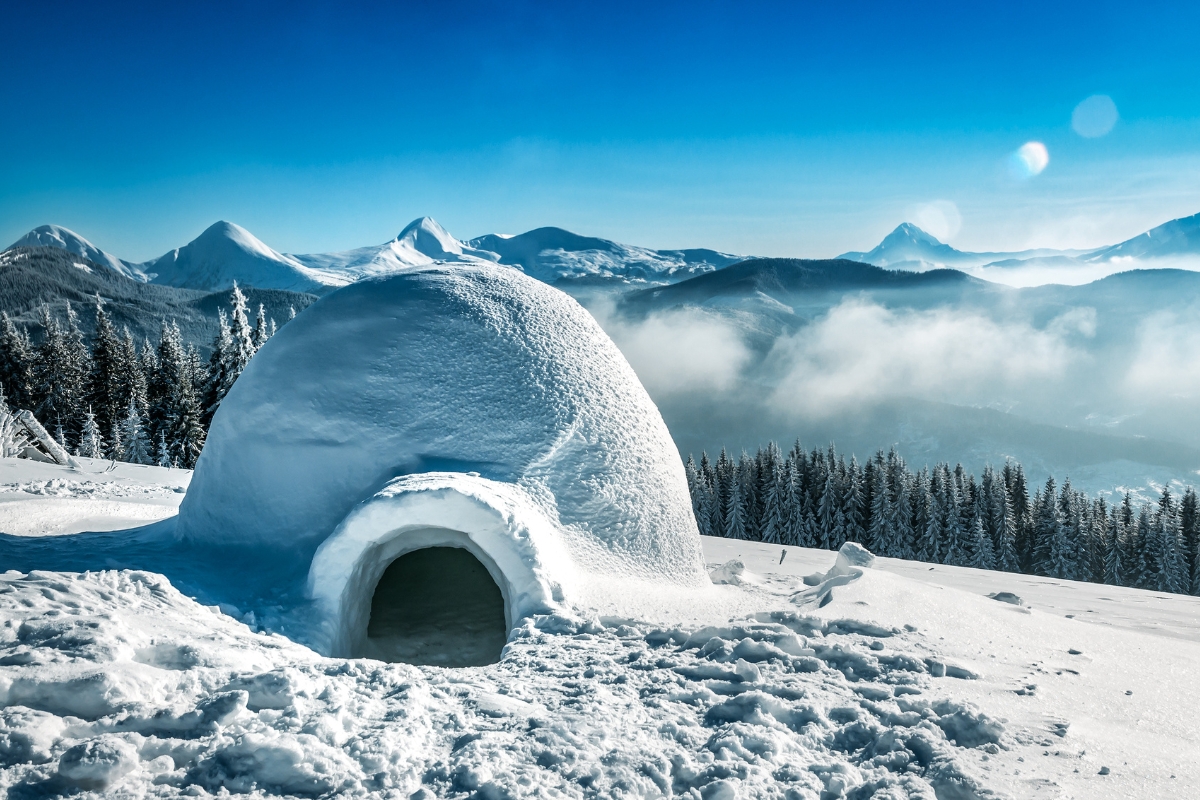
(107, 391)
(260, 335)
(855, 503)
(827, 510)
(1005, 527)
(91, 441)
(735, 510)
(983, 555)
(1130, 543)
(1171, 569)
(16, 364)
(1189, 529)
(186, 434)
(135, 447)
(162, 456)
(879, 535)
(216, 367)
(58, 377)
(1114, 572)
(1147, 557)
(241, 343)
(1045, 527)
(774, 530)
(170, 366)
(904, 543)
(1097, 539)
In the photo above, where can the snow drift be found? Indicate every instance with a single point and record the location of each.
(461, 405)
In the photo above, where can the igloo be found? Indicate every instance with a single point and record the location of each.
(441, 453)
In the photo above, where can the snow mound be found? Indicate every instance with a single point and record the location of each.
(466, 406)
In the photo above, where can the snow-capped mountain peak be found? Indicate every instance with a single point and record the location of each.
(428, 238)
(225, 253)
(66, 239)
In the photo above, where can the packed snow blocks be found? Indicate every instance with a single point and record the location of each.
(442, 453)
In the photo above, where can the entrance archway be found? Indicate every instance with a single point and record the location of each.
(437, 606)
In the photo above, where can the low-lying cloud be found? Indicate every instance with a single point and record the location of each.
(863, 353)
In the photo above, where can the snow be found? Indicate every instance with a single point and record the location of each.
(112, 682)
(879, 675)
(496, 414)
(38, 499)
(58, 236)
(225, 253)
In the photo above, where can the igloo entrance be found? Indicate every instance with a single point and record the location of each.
(437, 606)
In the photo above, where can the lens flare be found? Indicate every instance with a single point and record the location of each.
(1030, 159)
(1095, 116)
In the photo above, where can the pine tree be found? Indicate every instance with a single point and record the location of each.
(735, 510)
(222, 344)
(162, 453)
(827, 510)
(1114, 571)
(135, 448)
(91, 441)
(260, 334)
(106, 390)
(983, 556)
(241, 343)
(1005, 527)
(16, 364)
(1189, 531)
(1172, 574)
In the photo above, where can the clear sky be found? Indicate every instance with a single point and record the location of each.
(775, 129)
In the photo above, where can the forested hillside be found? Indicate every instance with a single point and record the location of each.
(945, 515)
(31, 277)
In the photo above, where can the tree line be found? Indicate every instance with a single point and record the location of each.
(945, 515)
(108, 397)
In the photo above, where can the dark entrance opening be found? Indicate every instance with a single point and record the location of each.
(438, 606)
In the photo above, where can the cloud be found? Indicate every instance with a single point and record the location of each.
(861, 353)
(1166, 363)
(678, 351)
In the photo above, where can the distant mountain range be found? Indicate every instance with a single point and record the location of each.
(226, 252)
(1117, 404)
(910, 248)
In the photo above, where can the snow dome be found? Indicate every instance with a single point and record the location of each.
(440, 453)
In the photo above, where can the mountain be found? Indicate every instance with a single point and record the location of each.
(57, 236)
(783, 279)
(422, 241)
(1179, 237)
(226, 253)
(33, 276)
(554, 256)
(910, 248)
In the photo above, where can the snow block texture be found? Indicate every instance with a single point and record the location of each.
(518, 428)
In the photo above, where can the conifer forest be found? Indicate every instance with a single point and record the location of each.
(945, 515)
(110, 396)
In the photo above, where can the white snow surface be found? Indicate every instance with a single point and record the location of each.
(58, 236)
(530, 429)
(39, 499)
(890, 680)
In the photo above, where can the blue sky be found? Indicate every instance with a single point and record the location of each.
(774, 129)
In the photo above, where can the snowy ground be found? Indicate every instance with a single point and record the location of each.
(896, 682)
